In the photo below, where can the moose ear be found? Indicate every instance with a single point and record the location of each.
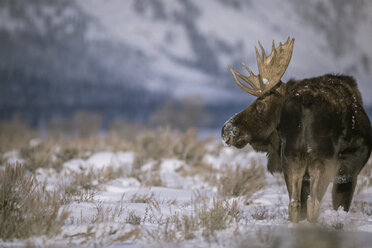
(260, 107)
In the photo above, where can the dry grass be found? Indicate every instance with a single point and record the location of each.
(163, 142)
(217, 217)
(260, 213)
(207, 219)
(133, 218)
(149, 178)
(14, 134)
(69, 139)
(241, 181)
(110, 224)
(145, 197)
(37, 156)
(82, 186)
(26, 208)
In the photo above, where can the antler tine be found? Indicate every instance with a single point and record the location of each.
(257, 56)
(255, 91)
(251, 74)
(262, 49)
(260, 63)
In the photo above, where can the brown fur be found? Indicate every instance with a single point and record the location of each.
(313, 129)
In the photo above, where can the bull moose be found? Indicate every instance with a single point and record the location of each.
(314, 130)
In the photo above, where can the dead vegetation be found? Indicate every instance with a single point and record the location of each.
(217, 217)
(108, 225)
(207, 219)
(241, 181)
(26, 207)
(163, 143)
(14, 134)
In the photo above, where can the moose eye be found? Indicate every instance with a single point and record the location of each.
(260, 107)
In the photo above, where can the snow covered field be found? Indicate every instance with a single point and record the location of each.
(224, 197)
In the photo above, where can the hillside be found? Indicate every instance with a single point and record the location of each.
(116, 55)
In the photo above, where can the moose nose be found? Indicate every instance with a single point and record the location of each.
(226, 140)
(228, 133)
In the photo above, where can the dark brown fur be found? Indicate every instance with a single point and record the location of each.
(314, 131)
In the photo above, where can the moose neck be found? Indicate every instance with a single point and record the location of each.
(271, 142)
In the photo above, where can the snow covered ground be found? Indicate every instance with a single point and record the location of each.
(201, 194)
(187, 210)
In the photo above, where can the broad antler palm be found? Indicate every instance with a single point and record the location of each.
(271, 69)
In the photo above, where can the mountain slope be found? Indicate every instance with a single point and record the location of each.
(189, 43)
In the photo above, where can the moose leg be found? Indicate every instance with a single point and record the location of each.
(293, 175)
(343, 191)
(351, 162)
(319, 180)
(305, 191)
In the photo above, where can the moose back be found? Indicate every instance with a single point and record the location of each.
(314, 130)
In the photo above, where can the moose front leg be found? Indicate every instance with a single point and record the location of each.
(319, 180)
(293, 175)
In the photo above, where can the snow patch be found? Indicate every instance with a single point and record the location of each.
(335, 219)
(101, 161)
(35, 142)
(75, 165)
(232, 157)
(171, 165)
(104, 159)
(12, 157)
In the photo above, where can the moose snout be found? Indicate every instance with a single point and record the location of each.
(228, 133)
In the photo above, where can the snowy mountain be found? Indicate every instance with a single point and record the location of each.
(187, 44)
(133, 55)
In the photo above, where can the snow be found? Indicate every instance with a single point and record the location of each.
(120, 159)
(101, 161)
(171, 165)
(124, 196)
(230, 156)
(12, 157)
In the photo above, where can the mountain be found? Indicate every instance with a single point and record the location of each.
(129, 57)
(189, 43)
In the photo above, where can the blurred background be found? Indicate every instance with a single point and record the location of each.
(160, 62)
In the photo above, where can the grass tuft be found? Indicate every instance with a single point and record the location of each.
(240, 181)
(26, 208)
(163, 143)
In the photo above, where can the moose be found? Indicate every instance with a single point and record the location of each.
(314, 131)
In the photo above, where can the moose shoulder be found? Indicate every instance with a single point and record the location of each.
(314, 131)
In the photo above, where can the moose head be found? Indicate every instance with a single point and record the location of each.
(256, 123)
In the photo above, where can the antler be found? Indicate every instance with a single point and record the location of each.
(271, 69)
